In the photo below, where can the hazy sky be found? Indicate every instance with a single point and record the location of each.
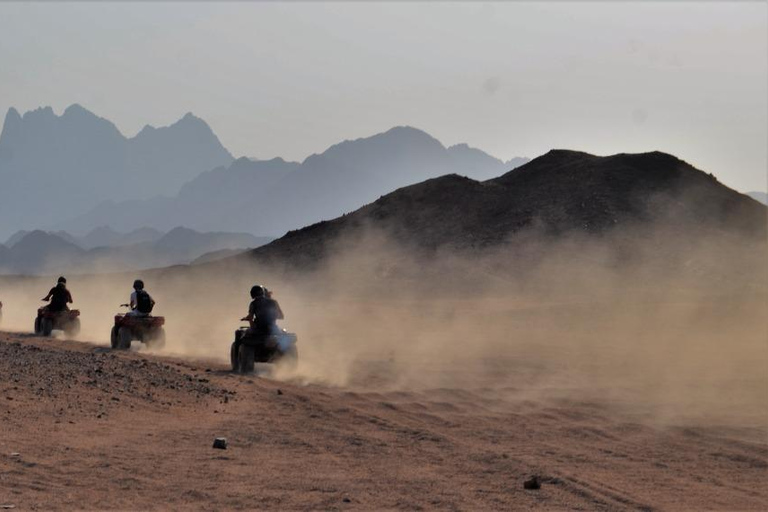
(510, 78)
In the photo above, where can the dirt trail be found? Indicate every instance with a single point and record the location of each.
(85, 428)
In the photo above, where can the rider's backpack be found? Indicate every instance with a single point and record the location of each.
(143, 302)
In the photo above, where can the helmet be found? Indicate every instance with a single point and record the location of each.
(258, 291)
(62, 279)
(138, 284)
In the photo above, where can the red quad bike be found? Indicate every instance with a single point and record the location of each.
(146, 329)
(279, 347)
(48, 321)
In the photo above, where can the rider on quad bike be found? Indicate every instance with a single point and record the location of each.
(138, 323)
(263, 312)
(141, 303)
(57, 315)
(263, 341)
(58, 296)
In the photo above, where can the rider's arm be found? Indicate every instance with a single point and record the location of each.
(132, 301)
(48, 297)
(251, 315)
(69, 297)
(280, 315)
(250, 319)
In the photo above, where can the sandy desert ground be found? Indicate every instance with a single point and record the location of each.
(85, 428)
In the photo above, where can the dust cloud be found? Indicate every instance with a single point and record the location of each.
(672, 332)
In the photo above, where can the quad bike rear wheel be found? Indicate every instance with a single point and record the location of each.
(247, 358)
(233, 357)
(38, 327)
(46, 326)
(114, 340)
(124, 338)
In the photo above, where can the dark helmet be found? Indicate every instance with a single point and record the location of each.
(258, 291)
(138, 284)
(62, 279)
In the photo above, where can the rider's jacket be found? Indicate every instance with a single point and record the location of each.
(60, 297)
(265, 313)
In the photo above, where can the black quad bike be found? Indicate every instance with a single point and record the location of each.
(48, 321)
(247, 349)
(146, 329)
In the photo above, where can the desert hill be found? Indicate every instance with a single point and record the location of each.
(69, 163)
(274, 196)
(562, 192)
(40, 252)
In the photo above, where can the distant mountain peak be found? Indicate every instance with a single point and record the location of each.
(10, 125)
(389, 140)
(146, 130)
(410, 133)
(77, 114)
(75, 109)
(408, 129)
(39, 236)
(12, 116)
(16, 237)
(40, 112)
(190, 119)
(40, 148)
(180, 231)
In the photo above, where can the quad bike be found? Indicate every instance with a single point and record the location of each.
(247, 349)
(48, 321)
(1, 312)
(146, 329)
